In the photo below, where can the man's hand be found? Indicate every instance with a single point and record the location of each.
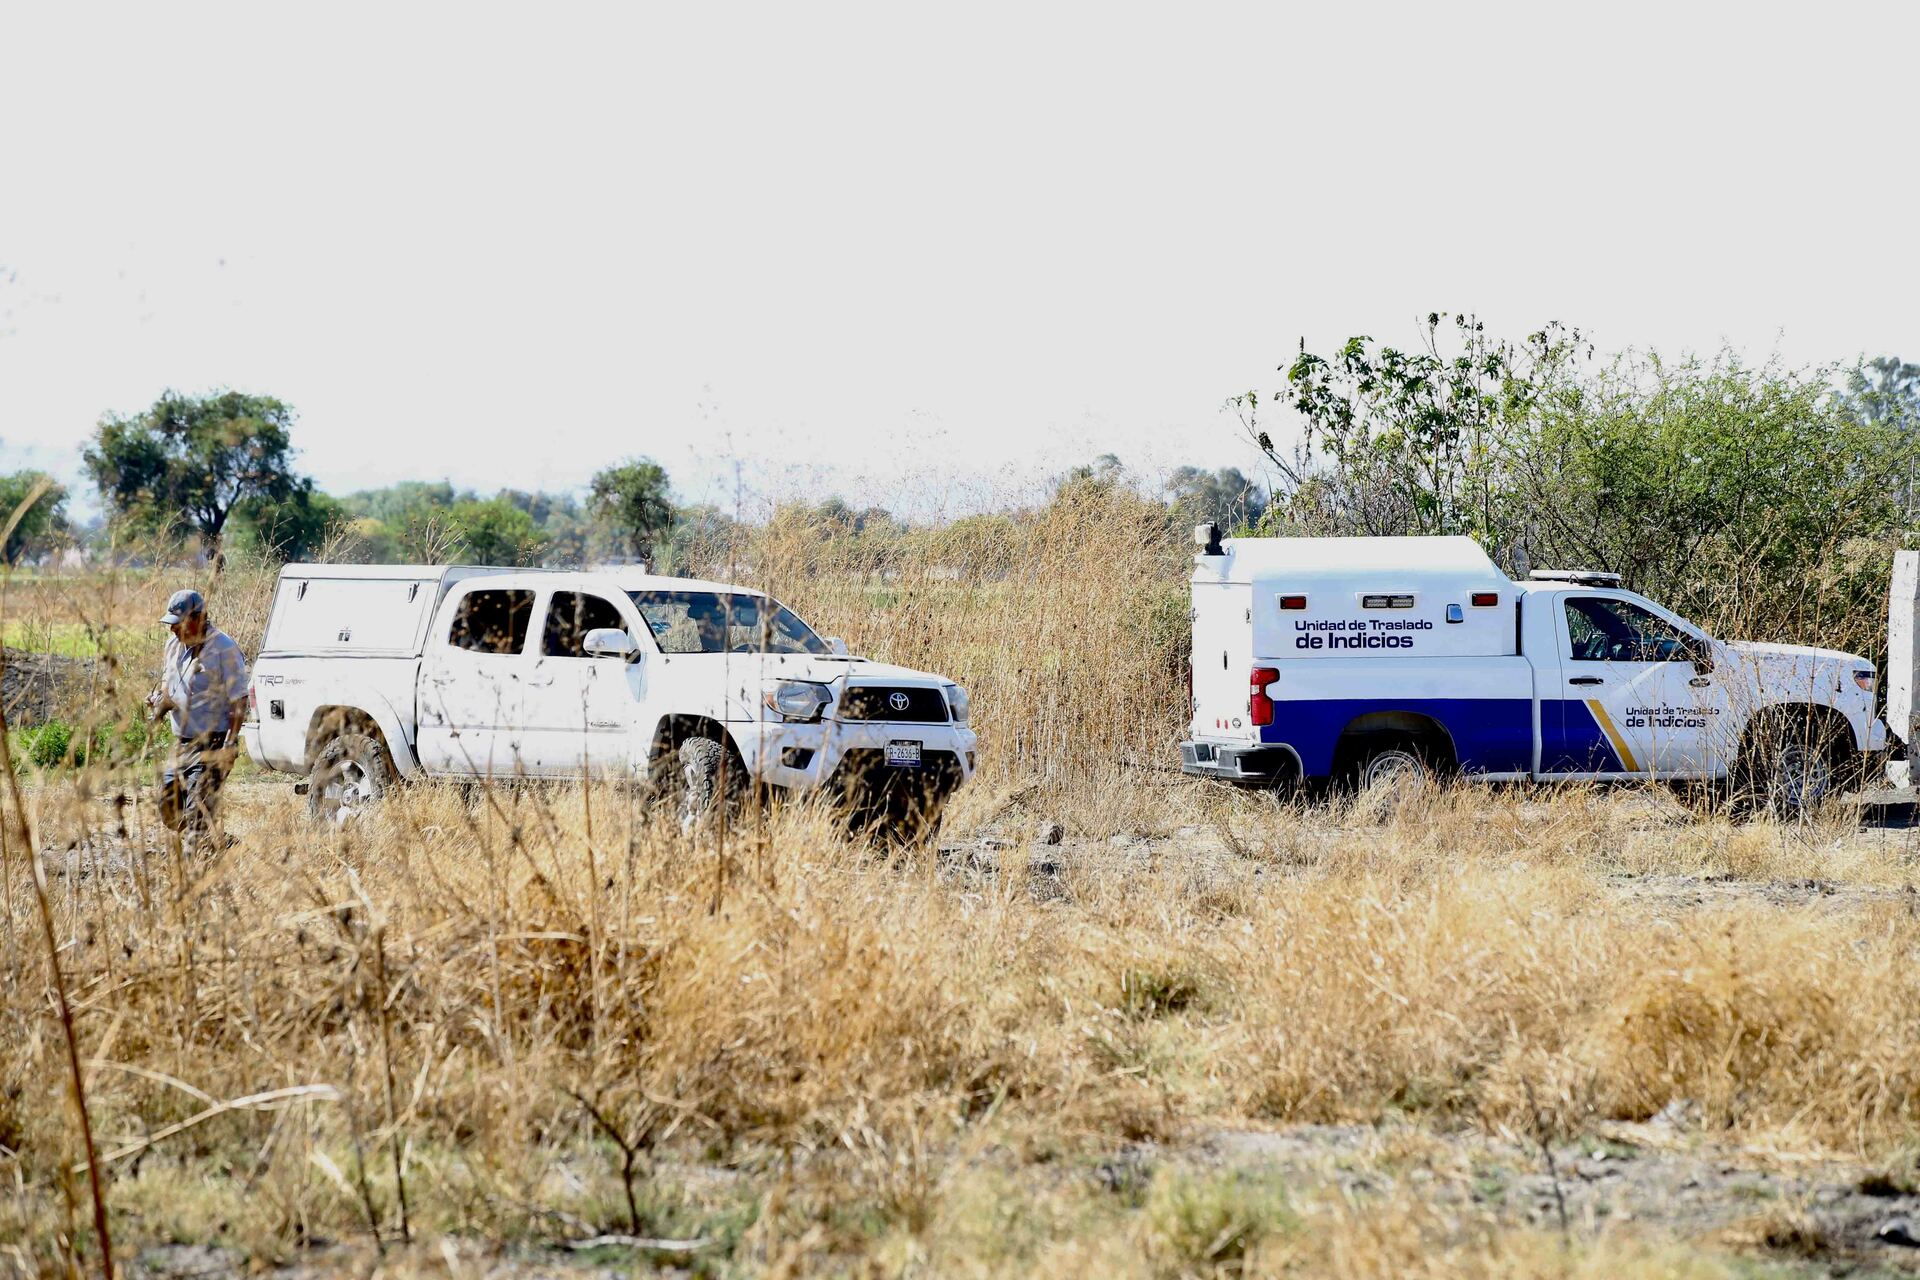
(158, 704)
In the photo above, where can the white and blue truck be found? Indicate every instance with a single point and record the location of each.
(1369, 660)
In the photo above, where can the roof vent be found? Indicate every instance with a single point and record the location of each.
(1583, 577)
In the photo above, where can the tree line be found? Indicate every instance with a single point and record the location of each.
(218, 471)
(1764, 497)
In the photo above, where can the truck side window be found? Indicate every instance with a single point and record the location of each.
(1602, 630)
(571, 615)
(492, 621)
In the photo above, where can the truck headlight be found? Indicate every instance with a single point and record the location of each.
(957, 705)
(797, 700)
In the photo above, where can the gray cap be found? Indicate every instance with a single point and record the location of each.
(183, 603)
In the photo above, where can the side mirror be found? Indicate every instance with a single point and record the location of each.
(609, 642)
(837, 646)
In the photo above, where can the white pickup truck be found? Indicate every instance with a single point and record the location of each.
(369, 673)
(1369, 659)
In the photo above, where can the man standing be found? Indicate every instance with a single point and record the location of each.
(204, 689)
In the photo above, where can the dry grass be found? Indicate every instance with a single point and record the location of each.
(811, 1057)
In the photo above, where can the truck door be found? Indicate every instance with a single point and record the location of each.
(1222, 661)
(579, 708)
(1631, 702)
(472, 685)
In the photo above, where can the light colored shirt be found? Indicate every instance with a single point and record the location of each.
(203, 684)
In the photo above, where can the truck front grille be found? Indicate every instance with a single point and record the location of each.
(899, 704)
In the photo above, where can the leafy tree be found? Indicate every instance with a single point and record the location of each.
(432, 521)
(1746, 493)
(1104, 472)
(632, 499)
(293, 528)
(41, 524)
(1886, 392)
(547, 509)
(187, 461)
(1411, 442)
(565, 530)
(495, 532)
(701, 543)
(1224, 497)
(397, 504)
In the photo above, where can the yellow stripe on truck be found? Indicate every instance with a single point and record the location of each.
(1613, 735)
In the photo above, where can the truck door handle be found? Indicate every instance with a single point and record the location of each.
(1700, 682)
(1587, 680)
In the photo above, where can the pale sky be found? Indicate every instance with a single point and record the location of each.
(905, 249)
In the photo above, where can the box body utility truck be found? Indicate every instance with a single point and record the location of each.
(1365, 659)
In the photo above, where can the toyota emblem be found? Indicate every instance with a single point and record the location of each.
(898, 700)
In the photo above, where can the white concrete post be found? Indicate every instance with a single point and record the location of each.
(1903, 649)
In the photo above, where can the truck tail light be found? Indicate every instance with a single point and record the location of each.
(1485, 599)
(1259, 705)
(1864, 679)
(253, 703)
(1293, 602)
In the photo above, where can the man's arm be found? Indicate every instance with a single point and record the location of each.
(234, 681)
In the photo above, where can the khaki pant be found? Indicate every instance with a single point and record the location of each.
(190, 789)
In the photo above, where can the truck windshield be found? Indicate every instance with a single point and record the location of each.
(724, 622)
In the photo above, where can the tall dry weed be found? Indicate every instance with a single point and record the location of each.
(536, 1012)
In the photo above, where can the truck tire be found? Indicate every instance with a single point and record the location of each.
(1392, 764)
(697, 786)
(349, 775)
(1790, 769)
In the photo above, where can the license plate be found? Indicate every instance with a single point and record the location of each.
(903, 755)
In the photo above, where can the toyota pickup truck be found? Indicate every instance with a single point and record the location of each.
(1375, 659)
(372, 673)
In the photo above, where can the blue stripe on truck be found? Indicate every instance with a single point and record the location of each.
(1490, 735)
(1572, 741)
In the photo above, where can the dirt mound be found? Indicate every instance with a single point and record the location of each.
(38, 687)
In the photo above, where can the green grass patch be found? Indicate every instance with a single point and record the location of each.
(77, 639)
(1197, 1221)
(59, 745)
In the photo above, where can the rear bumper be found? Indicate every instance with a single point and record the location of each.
(1256, 764)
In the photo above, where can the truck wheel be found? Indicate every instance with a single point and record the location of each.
(698, 784)
(1795, 777)
(1399, 765)
(349, 775)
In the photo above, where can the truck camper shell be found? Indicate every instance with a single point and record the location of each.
(358, 610)
(1343, 597)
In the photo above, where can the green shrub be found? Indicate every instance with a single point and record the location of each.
(56, 744)
(47, 744)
